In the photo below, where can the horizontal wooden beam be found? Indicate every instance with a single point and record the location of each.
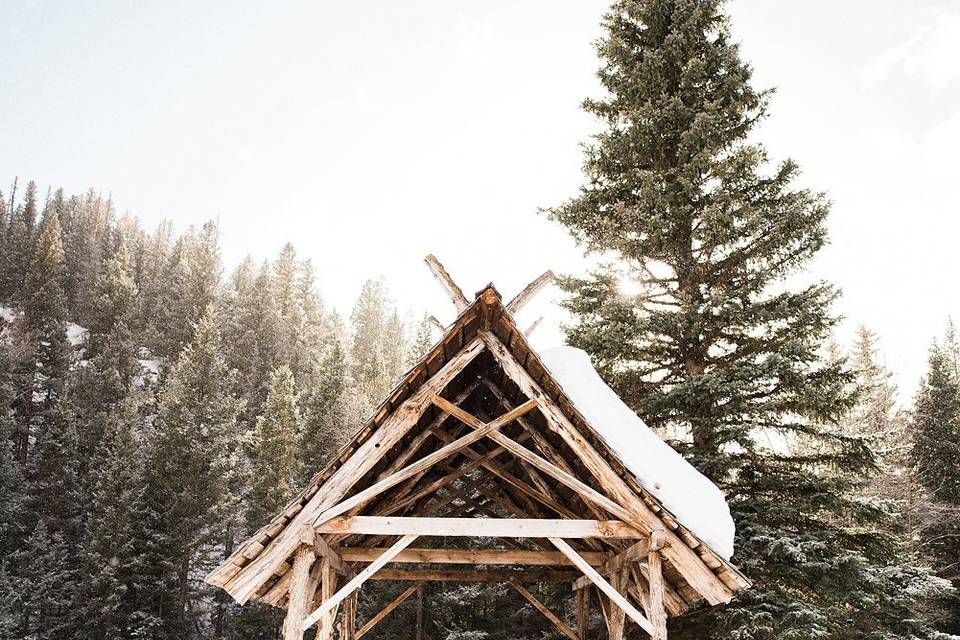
(480, 527)
(475, 575)
(473, 556)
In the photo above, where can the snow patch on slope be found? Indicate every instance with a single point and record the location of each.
(689, 495)
(76, 334)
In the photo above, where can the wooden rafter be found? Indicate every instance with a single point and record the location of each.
(454, 292)
(533, 326)
(529, 291)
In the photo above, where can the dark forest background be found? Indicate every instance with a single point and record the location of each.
(156, 406)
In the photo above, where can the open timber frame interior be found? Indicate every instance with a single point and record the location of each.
(477, 441)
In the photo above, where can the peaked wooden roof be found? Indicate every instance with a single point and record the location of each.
(484, 365)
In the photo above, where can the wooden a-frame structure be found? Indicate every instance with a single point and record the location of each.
(478, 440)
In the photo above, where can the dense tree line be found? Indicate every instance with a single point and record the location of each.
(153, 413)
(154, 410)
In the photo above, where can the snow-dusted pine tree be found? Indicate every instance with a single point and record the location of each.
(713, 339)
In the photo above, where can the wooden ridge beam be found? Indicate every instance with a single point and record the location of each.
(521, 557)
(479, 527)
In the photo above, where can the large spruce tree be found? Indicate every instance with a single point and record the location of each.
(695, 319)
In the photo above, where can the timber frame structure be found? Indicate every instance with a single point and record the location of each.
(477, 440)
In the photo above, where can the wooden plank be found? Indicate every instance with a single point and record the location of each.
(633, 552)
(529, 291)
(475, 575)
(533, 327)
(634, 511)
(396, 602)
(454, 292)
(542, 608)
(299, 598)
(603, 585)
(423, 464)
(330, 603)
(481, 527)
(348, 619)
(658, 616)
(328, 583)
(248, 580)
(521, 557)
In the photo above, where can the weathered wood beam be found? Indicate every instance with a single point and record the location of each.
(423, 464)
(348, 620)
(244, 583)
(299, 598)
(436, 323)
(542, 608)
(475, 575)
(480, 527)
(658, 616)
(529, 291)
(454, 292)
(603, 585)
(474, 556)
(330, 603)
(583, 613)
(383, 613)
(635, 511)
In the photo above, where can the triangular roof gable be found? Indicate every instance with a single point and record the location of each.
(382, 444)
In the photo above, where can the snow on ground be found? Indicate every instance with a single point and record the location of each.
(692, 498)
(7, 314)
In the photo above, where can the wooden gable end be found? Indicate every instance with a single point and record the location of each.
(478, 429)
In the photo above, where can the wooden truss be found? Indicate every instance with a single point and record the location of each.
(534, 480)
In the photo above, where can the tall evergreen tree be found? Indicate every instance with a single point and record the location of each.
(272, 480)
(21, 234)
(718, 344)
(936, 456)
(192, 501)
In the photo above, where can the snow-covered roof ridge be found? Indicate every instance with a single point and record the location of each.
(692, 498)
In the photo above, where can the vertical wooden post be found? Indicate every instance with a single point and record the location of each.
(299, 596)
(583, 612)
(328, 584)
(657, 614)
(348, 621)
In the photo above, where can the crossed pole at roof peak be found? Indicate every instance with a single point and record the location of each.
(455, 293)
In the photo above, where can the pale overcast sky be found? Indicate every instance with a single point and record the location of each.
(370, 134)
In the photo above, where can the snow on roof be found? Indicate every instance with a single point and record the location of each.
(692, 498)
